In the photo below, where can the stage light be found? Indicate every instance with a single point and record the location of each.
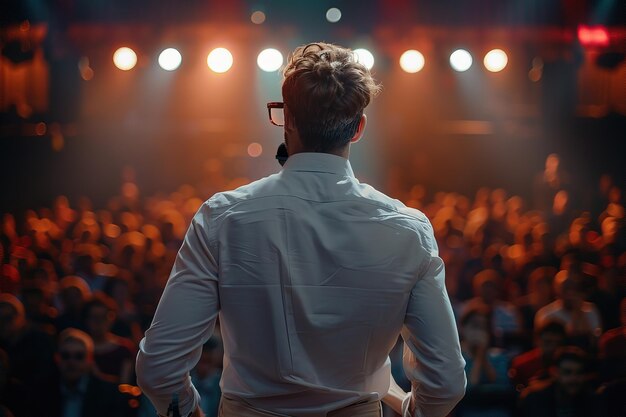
(333, 15)
(257, 17)
(461, 60)
(365, 57)
(495, 60)
(270, 60)
(170, 59)
(220, 60)
(412, 61)
(593, 35)
(125, 58)
(255, 150)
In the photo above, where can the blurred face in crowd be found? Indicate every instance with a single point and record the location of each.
(74, 361)
(475, 331)
(72, 299)
(571, 377)
(549, 342)
(99, 320)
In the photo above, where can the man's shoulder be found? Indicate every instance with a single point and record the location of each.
(245, 192)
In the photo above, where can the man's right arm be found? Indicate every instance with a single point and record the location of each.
(432, 354)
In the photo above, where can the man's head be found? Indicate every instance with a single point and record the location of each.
(487, 285)
(570, 368)
(99, 315)
(325, 91)
(75, 355)
(568, 288)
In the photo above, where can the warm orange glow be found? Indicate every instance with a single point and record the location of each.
(255, 149)
(257, 17)
(41, 129)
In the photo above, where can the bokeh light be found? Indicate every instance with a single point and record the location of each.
(365, 57)
(170, 59)
(257, 17)
(461, 60)
(495, 60)
(220, 60)
(125, 58)
(270, 60)
(412, 61)
(255, 149)
(333, 15)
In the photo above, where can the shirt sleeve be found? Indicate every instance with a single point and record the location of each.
(432, 354)
(183, 322)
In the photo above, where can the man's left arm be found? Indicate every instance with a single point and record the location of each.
(183, 322)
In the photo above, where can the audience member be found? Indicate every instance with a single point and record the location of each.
(535, 364)
(567, 394)
(113, 355)
(79, 392)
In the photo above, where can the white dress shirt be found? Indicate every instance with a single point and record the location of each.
(313, 275)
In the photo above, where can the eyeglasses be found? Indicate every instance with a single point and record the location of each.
(77, 356)
(276, 112)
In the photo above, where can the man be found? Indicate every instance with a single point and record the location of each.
(580, 318)
(566, 394)
(535, 364)
(313, 275)
(79, 392)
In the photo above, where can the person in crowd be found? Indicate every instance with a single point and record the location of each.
(505, 319)
(566, 394)
(73, 294)
(79, 392)
(535, 364)
(113, 355)
(580, 318)
(540, 294)
(489, 392)
(30, 351)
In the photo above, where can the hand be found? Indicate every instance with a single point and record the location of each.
(395, 396)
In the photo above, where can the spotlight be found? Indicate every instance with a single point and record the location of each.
(461, 60)
(412, 61)
(270, 60)
(125, 58)
(365, 57)
(170, 59)
(220, 60)
(333, 15)
(495, 60)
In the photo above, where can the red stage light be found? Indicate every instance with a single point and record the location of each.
(593, 35)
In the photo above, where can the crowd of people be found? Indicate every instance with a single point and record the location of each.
(537, 287)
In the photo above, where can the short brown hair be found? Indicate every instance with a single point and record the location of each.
(325, 90)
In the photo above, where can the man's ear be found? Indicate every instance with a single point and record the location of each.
(359, 131)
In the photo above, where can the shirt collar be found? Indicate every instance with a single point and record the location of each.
(319, 162)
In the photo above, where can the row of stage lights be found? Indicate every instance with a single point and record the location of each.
(220, 60)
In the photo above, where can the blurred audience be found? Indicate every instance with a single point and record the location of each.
(526, 279)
